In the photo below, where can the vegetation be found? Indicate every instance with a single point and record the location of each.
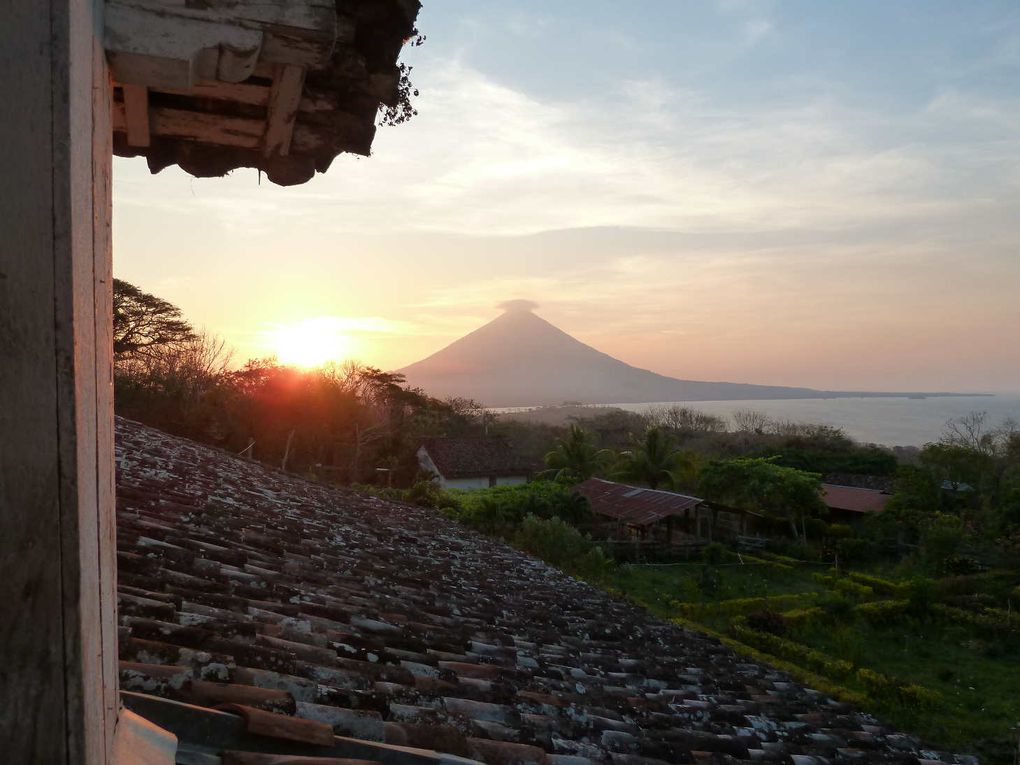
(916, 620)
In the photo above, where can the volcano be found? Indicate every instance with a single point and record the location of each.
(520, 359)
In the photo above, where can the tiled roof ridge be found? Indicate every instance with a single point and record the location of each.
(390, 623)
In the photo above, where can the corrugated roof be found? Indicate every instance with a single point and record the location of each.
(474, 457)
(634, 504)
(854, 498)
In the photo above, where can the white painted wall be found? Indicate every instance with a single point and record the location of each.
(426, 464)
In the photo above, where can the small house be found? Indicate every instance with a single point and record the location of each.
(849, 504)
(472, 463)
(645, 513)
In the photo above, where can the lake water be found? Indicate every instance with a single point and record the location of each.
(889, 421)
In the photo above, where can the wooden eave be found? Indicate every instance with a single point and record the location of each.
(279, 85)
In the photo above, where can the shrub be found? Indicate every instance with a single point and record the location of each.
(837, 607)
(941, 539)
(921, 597)
(881, 613)
(715, 553)
(743, 606)
(796, 550)
(501, 509)
(802, 617)
(853, 550)
(852, 589)
(791, 650)
(767, 621)
(561, 545)
(890, 689)
(429, 494)
(879, 585)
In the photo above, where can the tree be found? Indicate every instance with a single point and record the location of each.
(751, 421)
(576, 458)
(684, 420)
(759, 485)
(655, 461)
(143, 323)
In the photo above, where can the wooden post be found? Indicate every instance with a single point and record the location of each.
(58, 689)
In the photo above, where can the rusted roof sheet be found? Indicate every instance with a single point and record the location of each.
(633, 504)
(854, 499)
(395, 627)
(474, 457)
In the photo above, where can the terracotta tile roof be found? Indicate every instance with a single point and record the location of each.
(854, 498)
(392, 627)
(633, 504)
(474, 457)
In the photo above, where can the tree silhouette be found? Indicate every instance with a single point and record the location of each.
(143, 323)
(654, 461)
(576, 457)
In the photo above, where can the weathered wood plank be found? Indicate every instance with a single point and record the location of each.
(284, 100)
(136, 114)
(57, 688)
(32, 684)
(173, 43)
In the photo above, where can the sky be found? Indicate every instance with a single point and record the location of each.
(788, 193)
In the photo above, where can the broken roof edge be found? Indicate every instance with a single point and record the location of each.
(203, 729)
(302, 84)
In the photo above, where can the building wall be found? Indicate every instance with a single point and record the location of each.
(58, 635)
(464, 483)
(511, 480)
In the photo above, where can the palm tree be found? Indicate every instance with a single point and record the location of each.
(576, 458)
(655, 461)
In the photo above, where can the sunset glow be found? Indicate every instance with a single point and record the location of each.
(310, 343)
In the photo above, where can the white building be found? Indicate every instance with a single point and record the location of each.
(472, 463)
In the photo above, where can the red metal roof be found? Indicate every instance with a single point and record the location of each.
(633, 504)
(854, 499)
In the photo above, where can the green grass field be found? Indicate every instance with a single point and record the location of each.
(968, 674)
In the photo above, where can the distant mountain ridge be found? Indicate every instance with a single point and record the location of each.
(520, 359)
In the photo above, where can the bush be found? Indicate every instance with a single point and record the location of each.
(881, 613)
(941, 539)
(921, 597)
(561, 545)
(837, 607)
(791, 650)
(429, 494)
(803, 617)
(890, 689)
(743, 606)
(795, 549)
(879, 585)
(767, 621)
(715, 554)
(502, 509)
(854, 550)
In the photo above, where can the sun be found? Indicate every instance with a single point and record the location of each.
(310, 343)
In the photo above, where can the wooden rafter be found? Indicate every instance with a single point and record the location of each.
(136, 115)
(284, 100)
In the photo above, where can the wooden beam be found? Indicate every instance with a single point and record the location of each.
(173, 43)
(58, 634)
(136, 114)
(284, 100)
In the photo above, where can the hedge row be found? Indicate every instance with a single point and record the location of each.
(993, 621)
(744, 606)
(878, 686)
(888, 688)
(880, 585)
(793, 651)
(881, 613)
